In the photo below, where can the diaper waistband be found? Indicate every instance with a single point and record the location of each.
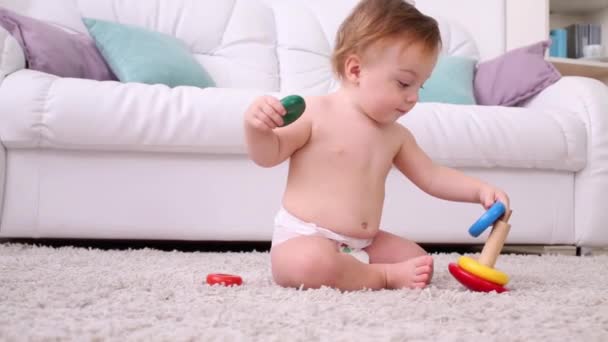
(288, 225)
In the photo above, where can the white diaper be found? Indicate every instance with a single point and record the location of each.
(287, 226)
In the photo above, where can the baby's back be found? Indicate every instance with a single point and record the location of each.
(337, 179)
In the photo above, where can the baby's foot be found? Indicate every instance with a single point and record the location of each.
(414, 273)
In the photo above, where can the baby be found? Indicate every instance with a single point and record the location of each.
(341, 149)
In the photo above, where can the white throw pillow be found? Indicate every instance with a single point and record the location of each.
(63, 13)
(11, 54)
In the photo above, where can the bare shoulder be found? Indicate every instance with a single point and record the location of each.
(315, 104)
(402, 135)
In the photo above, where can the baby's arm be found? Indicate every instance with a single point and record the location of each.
(269, 144)
(441, 181)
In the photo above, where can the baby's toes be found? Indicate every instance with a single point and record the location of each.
(418, 285)
(424, 277)
(425, 269)
(424, 260)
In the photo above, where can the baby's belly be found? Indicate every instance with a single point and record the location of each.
(354, 212)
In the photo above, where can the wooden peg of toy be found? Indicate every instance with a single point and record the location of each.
(495, 242)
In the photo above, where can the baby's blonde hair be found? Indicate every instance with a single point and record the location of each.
(374, 21)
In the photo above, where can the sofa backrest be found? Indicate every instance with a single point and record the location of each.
(233, 39)
(274, 45)
(305, 39)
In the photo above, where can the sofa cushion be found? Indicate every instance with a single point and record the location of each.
(235, 42)
(51, 112)
(51, 49)
(451, 81)
(67, 113)
(515, 77)
(493, 136)
(139, 55)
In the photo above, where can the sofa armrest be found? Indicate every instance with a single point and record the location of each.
(2, 179)
(11, 60)
(588, 99)
(11, 54)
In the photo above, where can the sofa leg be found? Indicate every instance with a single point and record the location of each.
(590, 251)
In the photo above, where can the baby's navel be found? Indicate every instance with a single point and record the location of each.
(364, 225)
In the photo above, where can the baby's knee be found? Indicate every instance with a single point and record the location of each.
(312, 268)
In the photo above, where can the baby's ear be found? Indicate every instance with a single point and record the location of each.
(352, 68)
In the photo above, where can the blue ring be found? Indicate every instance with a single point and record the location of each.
(487, 219)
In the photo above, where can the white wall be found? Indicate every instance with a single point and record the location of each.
(483, 19)
(527, 22)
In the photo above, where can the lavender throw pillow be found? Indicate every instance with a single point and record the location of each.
(52, 50)
(515, 76)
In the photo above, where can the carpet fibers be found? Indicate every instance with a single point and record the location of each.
(72, 293)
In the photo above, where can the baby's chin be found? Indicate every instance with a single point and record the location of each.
(399, 114)
(388, 120)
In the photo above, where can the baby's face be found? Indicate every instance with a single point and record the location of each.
(391, 78)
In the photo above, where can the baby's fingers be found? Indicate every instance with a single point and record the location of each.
(260, 123)
(268, 122)
(487, 200)
(501, 197)
(270, 112)
(276, 105)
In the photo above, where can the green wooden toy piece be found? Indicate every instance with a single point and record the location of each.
(295, 106)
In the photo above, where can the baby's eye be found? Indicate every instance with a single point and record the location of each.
(403, 85)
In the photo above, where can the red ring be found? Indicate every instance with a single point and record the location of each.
(473, 282)
(224, 279)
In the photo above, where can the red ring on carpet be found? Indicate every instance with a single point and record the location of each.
(473, 282)
(224, 279)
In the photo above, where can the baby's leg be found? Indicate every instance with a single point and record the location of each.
(408, 265)
(314, 261)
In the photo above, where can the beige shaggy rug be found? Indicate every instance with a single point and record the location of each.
(146, 294)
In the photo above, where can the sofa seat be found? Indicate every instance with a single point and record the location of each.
(58, 114)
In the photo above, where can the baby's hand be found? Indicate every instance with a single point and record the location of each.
(265, 114)
(489, 194)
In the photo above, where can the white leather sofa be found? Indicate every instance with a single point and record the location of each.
(106, 160)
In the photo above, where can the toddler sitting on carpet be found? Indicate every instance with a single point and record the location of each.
(341, 149)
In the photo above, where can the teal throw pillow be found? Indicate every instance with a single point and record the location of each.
(138, 55)
(451, 81)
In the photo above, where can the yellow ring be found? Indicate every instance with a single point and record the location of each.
(482, 271)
